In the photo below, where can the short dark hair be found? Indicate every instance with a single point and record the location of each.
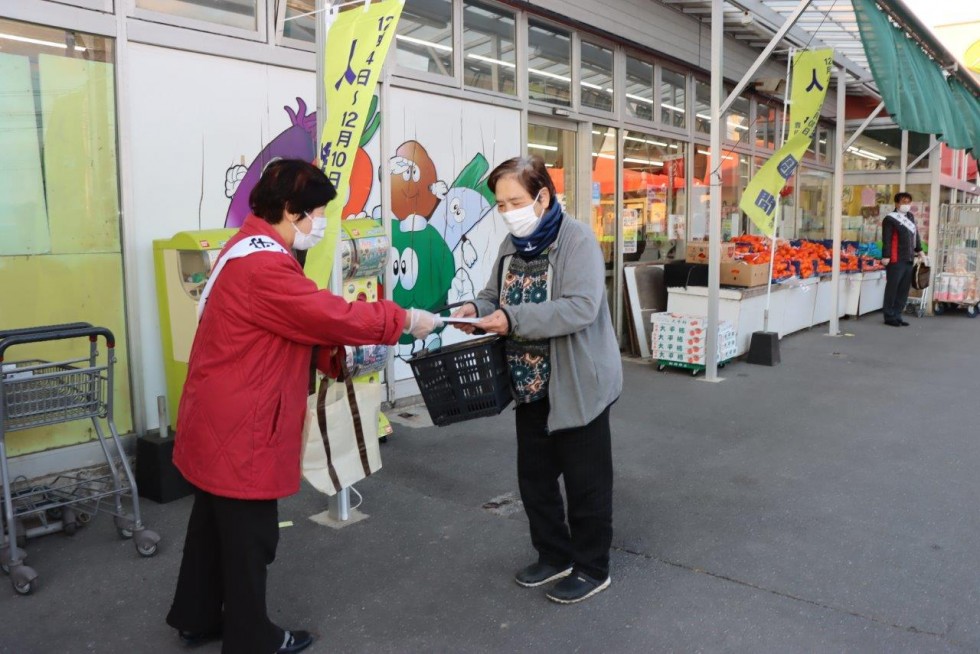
(902, 194)
(291, 185)
(531, 173)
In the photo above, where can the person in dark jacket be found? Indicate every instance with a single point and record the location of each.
(240, 421)
(900, 244)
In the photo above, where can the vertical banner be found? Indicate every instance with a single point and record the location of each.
(356, 46)
(811, 77)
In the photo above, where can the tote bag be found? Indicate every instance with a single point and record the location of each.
(340, 440)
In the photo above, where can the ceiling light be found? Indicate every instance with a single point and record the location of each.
(672, 107)
(428, 44)
(50, 44)
(490, 60)
(540, 146)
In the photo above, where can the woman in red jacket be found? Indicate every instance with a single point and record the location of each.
(240, 421)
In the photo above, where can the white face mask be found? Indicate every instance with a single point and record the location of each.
(522, 222)
(904, 208)
(304, 241)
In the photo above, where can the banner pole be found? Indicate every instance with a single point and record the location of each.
(778, 214)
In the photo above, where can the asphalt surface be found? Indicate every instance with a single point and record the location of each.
(824, 505)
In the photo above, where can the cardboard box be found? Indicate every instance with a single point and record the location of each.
(697, 252)
(740, 273)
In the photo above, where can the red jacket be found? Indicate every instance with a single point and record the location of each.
(240, 421)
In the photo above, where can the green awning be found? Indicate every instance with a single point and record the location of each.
(915, 89)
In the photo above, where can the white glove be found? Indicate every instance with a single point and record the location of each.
(421, 323)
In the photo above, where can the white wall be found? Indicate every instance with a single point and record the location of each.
(193, 116)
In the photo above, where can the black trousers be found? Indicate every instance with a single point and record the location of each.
(583, 458)
(221, 585)
(898, 281)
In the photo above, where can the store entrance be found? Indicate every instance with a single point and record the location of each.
(554, 141)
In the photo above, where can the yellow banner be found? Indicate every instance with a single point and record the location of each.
(811, 77)
(356, 46)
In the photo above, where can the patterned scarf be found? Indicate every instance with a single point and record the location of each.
(543, 236)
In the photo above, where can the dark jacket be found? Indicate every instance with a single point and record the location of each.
(897, 243)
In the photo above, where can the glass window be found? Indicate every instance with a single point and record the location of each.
(737, 120)
(557, 148)
(735, 171)
(918, 143)
(424, 41)
(604, 214)
(298, 25)
(597, 77)
(702, 107)
(768, 123)
(639, 88)
(489, 37)
(549, 57)
(241, 14)
(875, 149)
(654, 197)
(60, 254)
(864, 207)
(673, 98)
(813, 213)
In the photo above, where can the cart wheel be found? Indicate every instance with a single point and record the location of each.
(972, 311)
(69, 522)
(939, 308)
(5, 568)
(124, 526)
(694, 373)
(661, 367)
(84, 518)
(147, 542)
(23, 579)
(55, 514)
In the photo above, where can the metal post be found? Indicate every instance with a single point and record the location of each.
(837, 206)
(338, 506)
(162, 416)
(864, 125)
(903, 161)
(714, 221)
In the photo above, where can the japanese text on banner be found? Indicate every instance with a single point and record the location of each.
(357, 44)
(811, 77)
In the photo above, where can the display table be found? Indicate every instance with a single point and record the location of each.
(799, 303)
(872, 292)
(850, 293)
(822, 307)
(745, 308)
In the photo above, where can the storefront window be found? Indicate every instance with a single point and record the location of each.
(604, 175)
(549, 58)
(240, 14)
(735, 171)
(424, 41)
(918, 143)
(865, 205)
(737, 121)
(673, 98)
(60, 253)
(639, 88)
(768, 123)
(702, 107)
(489, 35)
(300, 23)
(812, 219)
(875, 149)
(597, 77)
(557, 147)
(654, 198)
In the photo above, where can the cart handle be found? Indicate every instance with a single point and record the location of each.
(44, 328)
(92, 333)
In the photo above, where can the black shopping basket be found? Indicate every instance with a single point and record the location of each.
(463, 381)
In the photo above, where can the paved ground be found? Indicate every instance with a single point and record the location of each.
(826, 505)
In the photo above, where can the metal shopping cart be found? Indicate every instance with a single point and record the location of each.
(956, 284)
(36, 393)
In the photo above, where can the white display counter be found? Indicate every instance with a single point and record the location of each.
(822, 307)
(872, 292)
(799, 303)
(744, 308)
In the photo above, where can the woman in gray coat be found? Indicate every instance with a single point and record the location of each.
(547, 295)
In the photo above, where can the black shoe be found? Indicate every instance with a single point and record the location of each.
(194, 639)
(538, 574)
(903, 323)
(295, 641)
(576, 588)
(893, 323)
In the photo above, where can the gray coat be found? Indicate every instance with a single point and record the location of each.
(586, 368)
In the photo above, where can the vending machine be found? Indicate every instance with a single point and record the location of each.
(183, 265)
(364, 249)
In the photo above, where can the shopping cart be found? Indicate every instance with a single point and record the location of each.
(36, 393)
(956, 285)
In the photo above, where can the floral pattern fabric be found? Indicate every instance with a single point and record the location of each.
(526, 282)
